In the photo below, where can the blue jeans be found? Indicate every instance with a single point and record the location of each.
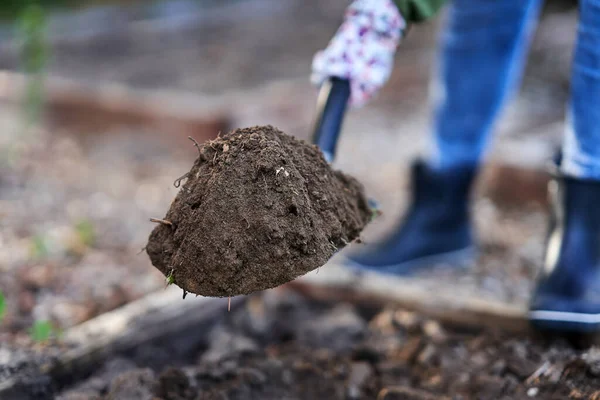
(482, 60)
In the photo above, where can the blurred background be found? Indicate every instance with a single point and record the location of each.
(97, 99)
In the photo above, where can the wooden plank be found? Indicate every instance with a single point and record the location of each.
(512, 185)
(162, 315)
(519, 172)
(334, 282)
(90, 109)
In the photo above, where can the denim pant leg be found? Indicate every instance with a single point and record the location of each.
(483, 48)
(581, 153)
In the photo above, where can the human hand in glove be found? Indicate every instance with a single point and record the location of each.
(362, 50)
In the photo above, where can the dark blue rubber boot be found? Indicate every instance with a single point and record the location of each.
(436, 230)
(567, 296)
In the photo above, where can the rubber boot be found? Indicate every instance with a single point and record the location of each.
(567, 295)
(436, 230)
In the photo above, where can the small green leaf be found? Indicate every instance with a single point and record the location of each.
(2, 306)
(170, 278)
(41, 331)
(39, 249)
(86, 232)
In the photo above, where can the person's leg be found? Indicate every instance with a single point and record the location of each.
(581, 152)
(567, 295)
(482, 59)
(483, 49)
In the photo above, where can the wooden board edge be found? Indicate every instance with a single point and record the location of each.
(158, 315)
(447, 306)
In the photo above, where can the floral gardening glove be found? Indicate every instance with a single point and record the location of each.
(362, 49)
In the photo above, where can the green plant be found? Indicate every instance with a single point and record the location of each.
(38, 246)
(86, 232)
(11, 9)
(41, 331)
(170, 278)
(33, 51)
(31, 34)
(2, 306)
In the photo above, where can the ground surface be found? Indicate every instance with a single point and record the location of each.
(73, 222)
(75, 218)
(281, 346)
(75, 207)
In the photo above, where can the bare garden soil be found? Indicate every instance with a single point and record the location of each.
(283, 346)
(279, 345)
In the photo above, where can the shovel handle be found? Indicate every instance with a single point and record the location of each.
(331, 107)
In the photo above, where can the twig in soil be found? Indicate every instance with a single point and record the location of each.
(195, 144)
(161, 221)
(538, 372)
(141, 251)
(185, 293)
(177, 181)
(229, 304)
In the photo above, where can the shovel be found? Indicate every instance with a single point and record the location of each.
(331, 107)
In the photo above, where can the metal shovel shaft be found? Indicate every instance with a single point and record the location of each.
(331, 107)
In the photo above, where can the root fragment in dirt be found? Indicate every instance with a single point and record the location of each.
(258, 209)
(177, 182)
(161, 221)
(195, 144)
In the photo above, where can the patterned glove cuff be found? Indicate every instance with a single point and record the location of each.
(380, 16)
(363, 48)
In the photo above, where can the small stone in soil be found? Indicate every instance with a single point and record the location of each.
(135, 384)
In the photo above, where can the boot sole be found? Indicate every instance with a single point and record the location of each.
(563, 321)
(458, 259)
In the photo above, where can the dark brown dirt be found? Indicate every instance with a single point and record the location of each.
(284, 346)
(258, 209)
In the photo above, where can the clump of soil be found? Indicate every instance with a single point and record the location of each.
(258, 209)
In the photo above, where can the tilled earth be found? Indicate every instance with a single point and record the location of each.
(283, 346)
(74, 218)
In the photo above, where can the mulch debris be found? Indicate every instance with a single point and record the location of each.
(284, 346)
